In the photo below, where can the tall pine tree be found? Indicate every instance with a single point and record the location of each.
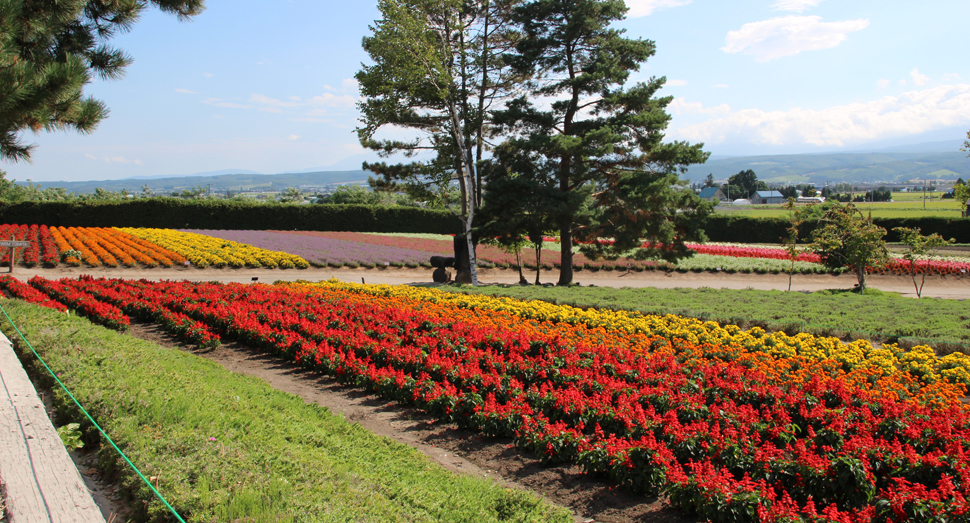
(49, 50)
(598, 140)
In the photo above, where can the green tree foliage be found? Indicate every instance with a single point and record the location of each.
(795, 219)
(291, 195)
(709, 181)
(744, 184)
(517, 213)
(881, 194)
(919, 249)
(50, 50)
(961, 193)
(789, 191)
(846, 238)
(357, 195)
(808, 190)
(594, 141)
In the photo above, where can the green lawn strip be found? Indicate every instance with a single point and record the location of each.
(273, 457)
(877, 316)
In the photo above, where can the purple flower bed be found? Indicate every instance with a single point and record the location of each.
(324, 251)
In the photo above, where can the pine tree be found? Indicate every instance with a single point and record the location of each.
(599, 141)
(50, 50)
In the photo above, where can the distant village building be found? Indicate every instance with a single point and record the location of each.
(712, 194)
(767, 197)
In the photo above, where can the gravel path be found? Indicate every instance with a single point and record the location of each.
(936, 286)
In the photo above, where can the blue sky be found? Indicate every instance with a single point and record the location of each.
(268, 86)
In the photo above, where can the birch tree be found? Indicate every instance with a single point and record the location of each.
(437, 70)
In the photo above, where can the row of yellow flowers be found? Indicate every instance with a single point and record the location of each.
(921, 361)
(205, 251)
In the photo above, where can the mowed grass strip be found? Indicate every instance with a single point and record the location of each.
(227, 447)
(877, 316)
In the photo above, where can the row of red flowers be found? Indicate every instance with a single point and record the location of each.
(42, 247)
(17, 289)
(95, 309)
(894, 266)
(721, 438)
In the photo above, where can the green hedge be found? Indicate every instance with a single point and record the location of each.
(173, 213)
(745, 229)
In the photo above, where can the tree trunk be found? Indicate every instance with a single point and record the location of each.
(518, 262)
(538, 261)
(860, 273)
(468, 194)
(566, 267)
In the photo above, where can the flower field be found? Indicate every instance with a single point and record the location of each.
(933, 265)
(322, 250)
(731, 425)
(42, 247)
(205, 251)
(129, 247)
(487, 254)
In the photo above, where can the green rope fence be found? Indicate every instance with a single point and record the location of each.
(95, 423)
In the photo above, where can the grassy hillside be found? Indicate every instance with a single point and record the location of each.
(862, 168)
(227, 447)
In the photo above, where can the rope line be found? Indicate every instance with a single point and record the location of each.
(85, 412)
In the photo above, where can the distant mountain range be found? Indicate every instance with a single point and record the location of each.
(929, 161)
(239, 181)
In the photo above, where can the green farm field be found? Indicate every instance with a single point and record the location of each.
(905, 205)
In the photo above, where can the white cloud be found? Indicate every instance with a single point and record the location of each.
(918, 79)
(952, 77)
(185, 91)
(114, 159)
(312, 120)
(681, 106)
(640, 8)
(794, 5)
(910, 113)
(676, 83)
(882, 83)
(332, 100)
(222, 103)
(293, 137)
(789, 35)
(350, 84)
(270, 102)
(721, 86)
(208, 75)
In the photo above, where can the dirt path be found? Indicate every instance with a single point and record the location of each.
(954, 287)
(457, 450)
